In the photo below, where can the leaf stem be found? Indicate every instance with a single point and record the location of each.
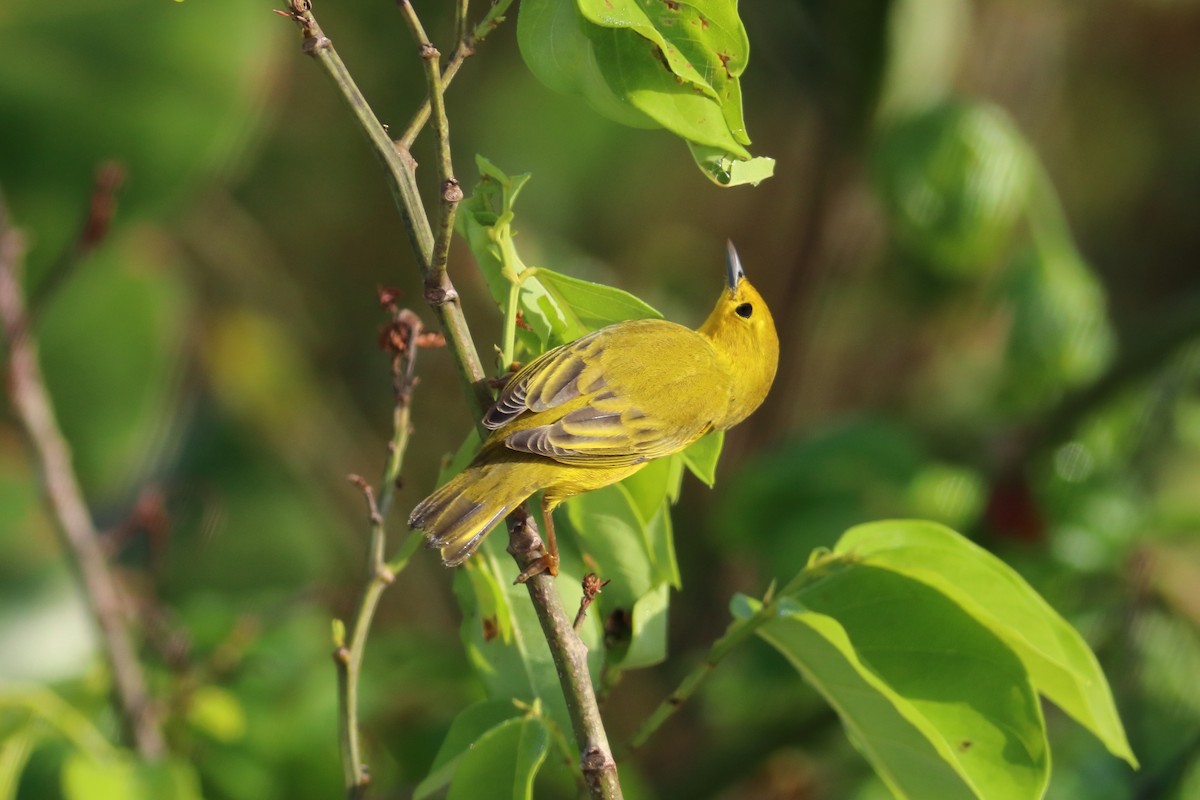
(508, 344)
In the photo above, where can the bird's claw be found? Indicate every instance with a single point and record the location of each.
(545, 563)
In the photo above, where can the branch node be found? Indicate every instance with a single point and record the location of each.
(314, 44)
(451, 191)
(428, 52)
(438, 295)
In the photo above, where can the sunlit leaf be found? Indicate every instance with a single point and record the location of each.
(594, 304)
(938, 704)
(1059, 662)
(218, 713)
(676, 65)
(726, 171)
(15, 748)
(85, 778)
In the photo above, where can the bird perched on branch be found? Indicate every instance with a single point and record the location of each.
(592, 412)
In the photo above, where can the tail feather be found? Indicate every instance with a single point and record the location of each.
(461, 513)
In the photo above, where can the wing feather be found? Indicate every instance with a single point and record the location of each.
(566, 407)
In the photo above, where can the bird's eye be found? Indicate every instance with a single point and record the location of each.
(744, 310)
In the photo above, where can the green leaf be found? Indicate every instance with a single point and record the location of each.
(503, 762)
(557, 51)
(643, 62)
(639, 78)
(218, 713)
(1061, 337)
(594, 305)
(123, 778)
(648, 639)
(954, 181)
(637, 556)
(726, 171)
(468, 727)
(701, 457)
(15, 748)
(1060, 664)
(938, 704)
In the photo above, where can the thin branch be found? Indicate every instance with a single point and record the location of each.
(101, 208)
(451, 192)
(568, 650)
(464, 49)
(33, 409)
(737, 633)
(400, 171)
(819, 567)
(461, 9)
(402, 338)
(570, 660)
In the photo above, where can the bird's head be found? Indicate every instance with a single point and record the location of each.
(742, 331)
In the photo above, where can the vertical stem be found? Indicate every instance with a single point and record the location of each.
(34, 411)
(569, 652)
(400, 171)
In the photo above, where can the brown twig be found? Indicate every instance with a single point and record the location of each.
(591, 587)
(33, 409)
(101, 208)
(402, 338)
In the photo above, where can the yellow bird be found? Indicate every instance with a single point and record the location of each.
(592, 412)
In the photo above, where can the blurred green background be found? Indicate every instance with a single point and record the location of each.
(980, 245)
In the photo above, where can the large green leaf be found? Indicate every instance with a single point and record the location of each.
(917, 681)
(1059, 662)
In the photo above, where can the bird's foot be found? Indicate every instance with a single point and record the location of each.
(545, 563)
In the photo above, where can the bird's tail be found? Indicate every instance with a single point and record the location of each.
(458, 515)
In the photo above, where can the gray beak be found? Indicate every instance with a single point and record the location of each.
(733, 266)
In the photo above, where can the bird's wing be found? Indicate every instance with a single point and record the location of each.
(617, 397)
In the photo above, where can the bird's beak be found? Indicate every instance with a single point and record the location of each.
(733, 267)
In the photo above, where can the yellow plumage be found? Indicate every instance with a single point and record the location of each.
(592, 412)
